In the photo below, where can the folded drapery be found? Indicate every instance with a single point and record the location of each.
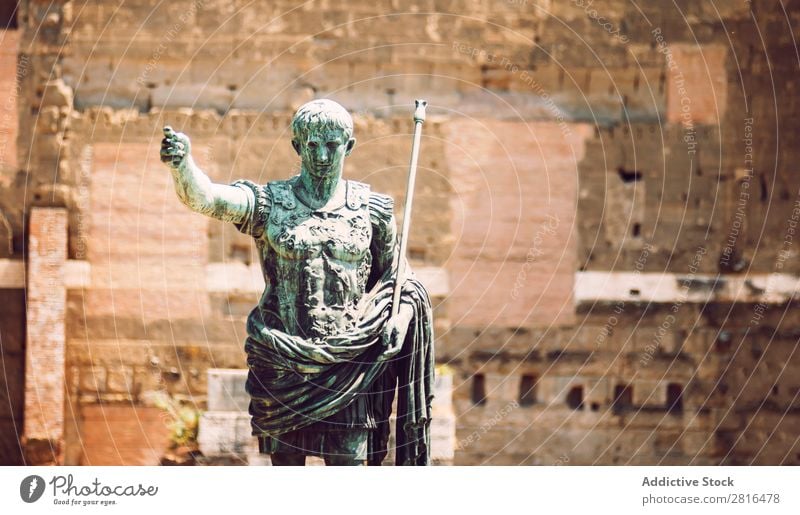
(294, 381)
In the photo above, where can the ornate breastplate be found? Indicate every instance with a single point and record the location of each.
(322, 259)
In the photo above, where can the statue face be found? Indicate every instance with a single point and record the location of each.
(323, 151)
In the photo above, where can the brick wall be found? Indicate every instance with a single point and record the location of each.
(12, 323)
(122, 435)
(10, 72)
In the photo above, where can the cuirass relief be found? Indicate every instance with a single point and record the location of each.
(322, 260)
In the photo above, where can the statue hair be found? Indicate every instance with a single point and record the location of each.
(321, 114)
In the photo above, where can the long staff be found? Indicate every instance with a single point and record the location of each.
(419, 119)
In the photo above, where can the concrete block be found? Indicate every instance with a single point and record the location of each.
(224, 433)
(226, 390)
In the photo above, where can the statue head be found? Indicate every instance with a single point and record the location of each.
(322, 135)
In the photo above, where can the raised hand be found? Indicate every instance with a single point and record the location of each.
(175, 147)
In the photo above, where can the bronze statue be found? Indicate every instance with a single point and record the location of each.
(326, 350)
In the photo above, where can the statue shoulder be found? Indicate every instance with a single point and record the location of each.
(259, 205)
(381, 208)
(259, 191)
(282, 192)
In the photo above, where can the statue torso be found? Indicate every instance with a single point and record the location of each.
(318, 260)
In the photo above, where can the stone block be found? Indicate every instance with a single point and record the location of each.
(443, 423)
(226, 390)
(226, 432)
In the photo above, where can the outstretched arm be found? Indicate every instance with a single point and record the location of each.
(194, 188)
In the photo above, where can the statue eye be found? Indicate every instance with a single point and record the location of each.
(312, 144)
(332, 145)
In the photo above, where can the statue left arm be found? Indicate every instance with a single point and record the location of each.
(384, 235)
(384, 249)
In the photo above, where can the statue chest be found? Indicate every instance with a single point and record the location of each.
(320, 261)
(302, 234)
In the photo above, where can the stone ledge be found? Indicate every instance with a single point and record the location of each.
(631, 287)
(76, 273)
(220, 277)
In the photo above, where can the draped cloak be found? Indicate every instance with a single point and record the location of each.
(294, 381)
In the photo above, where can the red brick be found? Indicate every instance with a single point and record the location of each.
(495, 167)
(123, 435)
(705, 83)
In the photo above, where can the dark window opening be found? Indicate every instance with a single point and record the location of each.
(527, 390)
(623, 398)
(8, 15)
(484, 76)
(575, 398)
(674, 398)
(629, 175)
(479, 389)
(636, 230)
(595, 406)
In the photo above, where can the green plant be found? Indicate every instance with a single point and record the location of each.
(182, 420)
